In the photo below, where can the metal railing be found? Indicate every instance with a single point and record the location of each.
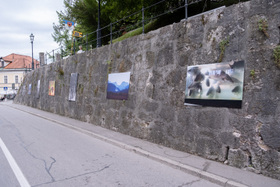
(109, 35)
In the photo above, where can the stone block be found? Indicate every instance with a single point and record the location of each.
(270, 135)
(237, 158)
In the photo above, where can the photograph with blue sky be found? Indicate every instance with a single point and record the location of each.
(118, 86)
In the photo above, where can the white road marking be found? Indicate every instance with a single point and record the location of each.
(18, 173)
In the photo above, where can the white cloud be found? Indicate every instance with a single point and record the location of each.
(21, 18)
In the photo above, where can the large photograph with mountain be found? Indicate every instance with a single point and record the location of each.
(219, 84)
(118, 86)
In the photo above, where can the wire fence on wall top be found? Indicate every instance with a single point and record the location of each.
(107, 34)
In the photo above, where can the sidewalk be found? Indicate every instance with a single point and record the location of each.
(215, 172)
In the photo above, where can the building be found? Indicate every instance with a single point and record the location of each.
(12, 71)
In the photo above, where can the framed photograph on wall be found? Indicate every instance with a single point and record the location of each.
(73, 86)
(118, 86)
(52, 88)
(38, 89)
(29, 89)
(219, 84)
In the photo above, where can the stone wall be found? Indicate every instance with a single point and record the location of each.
(246, 138)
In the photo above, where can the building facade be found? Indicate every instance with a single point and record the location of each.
(12, 71)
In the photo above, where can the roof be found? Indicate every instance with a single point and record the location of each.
(17, 61)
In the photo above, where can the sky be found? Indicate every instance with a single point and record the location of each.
(20, 18)
(119, 77)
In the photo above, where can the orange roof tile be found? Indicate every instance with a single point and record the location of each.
(19, 61)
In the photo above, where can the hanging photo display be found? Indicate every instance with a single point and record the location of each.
(219, 84)
(51, 88)
(73, 86)
(29, 89)
(38, 89)
(118, 86)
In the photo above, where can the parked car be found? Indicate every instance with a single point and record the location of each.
(11, 96)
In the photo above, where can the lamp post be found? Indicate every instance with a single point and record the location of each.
(32, 39)
(98, 27)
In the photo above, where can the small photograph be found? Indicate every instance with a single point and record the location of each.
(73, 86)
(51, 88)
(29, 89)
(215, 82)
(38, 89)
(118, 86)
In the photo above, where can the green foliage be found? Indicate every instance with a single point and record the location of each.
(203, 20)
(60, 71)
(126, 16)
(110, 66)
(122, 67)
(148, 27)
(96, 90)
(252, 73)
(85, 14)
(262, 23)
(276, 55)
(222, 47)
(60, 35)
(81, 88)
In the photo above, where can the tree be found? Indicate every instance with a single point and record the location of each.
(125, 15)
(61, 35)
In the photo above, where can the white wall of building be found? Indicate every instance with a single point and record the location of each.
(12, 77)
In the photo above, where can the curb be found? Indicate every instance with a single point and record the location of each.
(186, 168)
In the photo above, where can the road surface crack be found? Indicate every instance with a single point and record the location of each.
(76, 176)
(48, 169)
(26, 148)
(189, 183)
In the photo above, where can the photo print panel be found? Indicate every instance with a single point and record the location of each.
(217, 85)
(51, 88)
(73, 86)
(118, 86)
(38, 89)
(29, 89)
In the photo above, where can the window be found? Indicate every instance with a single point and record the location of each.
(16, 79)
(5, 79)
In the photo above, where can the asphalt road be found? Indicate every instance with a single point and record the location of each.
(48, 154)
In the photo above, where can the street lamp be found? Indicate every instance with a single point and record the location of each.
(32, 39)
(98, 27)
